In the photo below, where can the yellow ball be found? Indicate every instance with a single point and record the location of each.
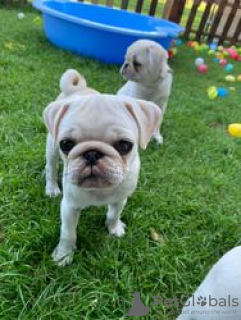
(239, 77)
(219, 55)
(234, 130)
(174, 51)
(230, 78)
(212, 92)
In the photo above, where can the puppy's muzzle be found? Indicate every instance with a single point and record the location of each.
(91, 157)
(95, 164)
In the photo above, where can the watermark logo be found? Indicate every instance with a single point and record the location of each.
(134, 307)
(138, 308)
(202, 301)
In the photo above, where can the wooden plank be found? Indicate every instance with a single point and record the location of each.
(218, 16)
(229, 21)
(167, 8)
(153, 6)
(237, 33)
(139, 5)
(124, 4)
(176, 11)
(191, 17)
(204, 20)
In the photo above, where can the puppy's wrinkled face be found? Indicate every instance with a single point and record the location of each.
(144, 62)
(98, 142)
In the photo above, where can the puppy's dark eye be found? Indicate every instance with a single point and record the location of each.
(123, 147)
(66, 145)
(137, 64)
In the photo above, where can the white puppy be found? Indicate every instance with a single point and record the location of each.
(219, 295)
(97, 137)
(148, 74)
(72, 85)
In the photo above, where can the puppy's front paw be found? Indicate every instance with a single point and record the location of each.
(158, 138)
(63, 255)
(52, 190)
(118, 229)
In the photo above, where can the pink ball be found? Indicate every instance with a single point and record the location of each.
(234, 55)
(223, 62)
(202, 68)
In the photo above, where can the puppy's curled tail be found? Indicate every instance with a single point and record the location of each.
(72, 81)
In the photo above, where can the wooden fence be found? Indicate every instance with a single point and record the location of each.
(208, 20)
(205, 19)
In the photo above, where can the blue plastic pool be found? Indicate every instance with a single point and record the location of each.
(101, 32)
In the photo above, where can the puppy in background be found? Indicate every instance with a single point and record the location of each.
(148, 74)
(223, 285)
(97, 137)
(72, 86)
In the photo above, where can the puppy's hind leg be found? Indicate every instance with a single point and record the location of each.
(157, 136)
(51, 168)
(113, 222)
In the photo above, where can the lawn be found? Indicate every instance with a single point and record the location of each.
(188, 193)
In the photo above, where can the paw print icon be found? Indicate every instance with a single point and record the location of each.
(202, 301)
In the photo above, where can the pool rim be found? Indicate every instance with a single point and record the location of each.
(39, 4)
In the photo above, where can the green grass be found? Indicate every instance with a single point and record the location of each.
(189, 190)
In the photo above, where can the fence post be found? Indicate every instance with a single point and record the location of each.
(173, 10)
(229, 21)
(191, 17)
(217, 19)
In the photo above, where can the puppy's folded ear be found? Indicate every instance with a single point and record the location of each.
(147, 116)
(53, 114)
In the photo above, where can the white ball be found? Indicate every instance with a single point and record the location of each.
(21, 15)
(199, 62)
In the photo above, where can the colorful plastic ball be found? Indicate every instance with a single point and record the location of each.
(234, 130)
(205, 46)
(212, 92)
(195, 44)
(189, 43)
(174, 51)
(219, 55)
(21, 15)
(170, 54)
(202, 68)
(239, 77)
(197, 48)
(229, 67)
(230, 78)
(216, 60)
(213, 46)
(223, 62)
(225, 53)
(222, 92)
(211, 52)
(178, 42)
(199, 61)
(220, 48)
(234, 55)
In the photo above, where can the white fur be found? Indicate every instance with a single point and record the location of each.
(223, 280)
(72, 85)
(95, 122)
(152, 81)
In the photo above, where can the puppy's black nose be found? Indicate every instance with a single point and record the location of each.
(91, 157)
